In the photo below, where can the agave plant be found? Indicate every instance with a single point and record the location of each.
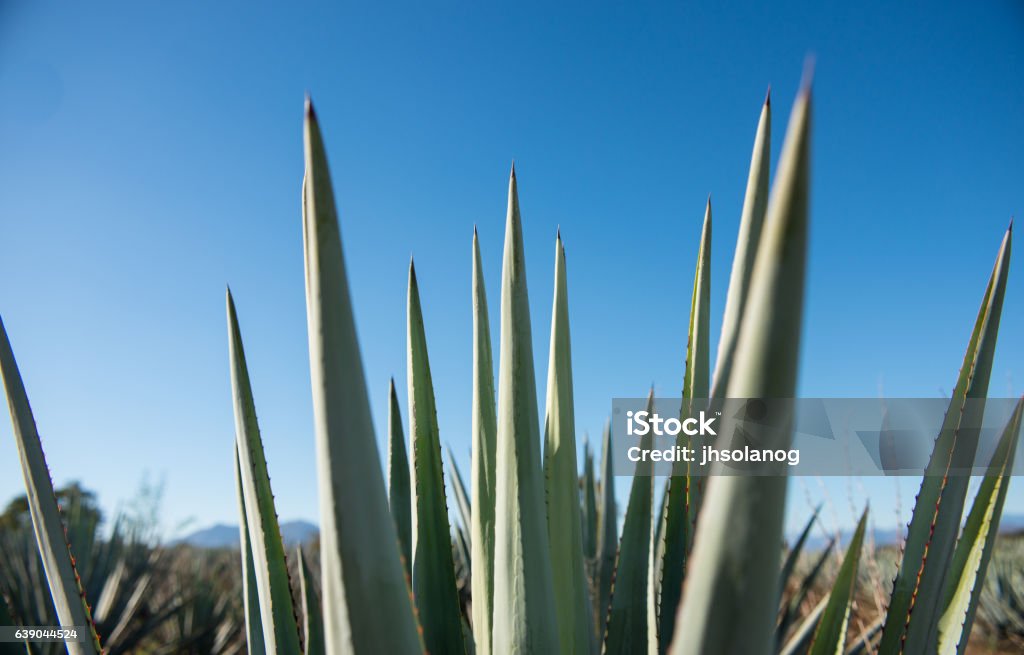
(543, 563)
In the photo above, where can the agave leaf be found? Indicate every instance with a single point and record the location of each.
(524, 609)
(608, 532)
(463, 550)
(729, 602)
(627, 630)
(974, 548)
(250, 596)
(830, 637)
(755, 203)
(277, 612)
(864, 642)
(54, 550)
(589, 504)
(399, 490)
(483, 474)
(459, 489)
(364, 589)
(313, 620)
(791, 610)
(794, 553)
(802, 636)
(433, 570)
(685, 486)
(916, 603)
(561, 481)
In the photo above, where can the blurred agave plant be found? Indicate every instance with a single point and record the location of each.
(544, 565)
(141, 588)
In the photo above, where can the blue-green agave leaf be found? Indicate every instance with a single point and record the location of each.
(484, 472)
(364, 589)
(729, 601)
(916, 602)
(54, 550)
(524, 608)
(830, 637)
(461, 495)
(608, 532)
(250, 595)
(399, 488)
(433, 570)
(627, 630)
(312, 618)
(277, 610)
(755, 204)
(682, 494)
(561, 480)
(974, 548)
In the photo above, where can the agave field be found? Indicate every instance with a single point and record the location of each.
(537, 562)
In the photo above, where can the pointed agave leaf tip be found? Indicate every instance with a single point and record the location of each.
(768, 96)
(364, 587)
(310, 112)
(280, 627)
(482, 475)
(730, 598)
(69, 599)
(807, 81)
(433, 573)
(523, 589)
(915, 605)
(561, 477)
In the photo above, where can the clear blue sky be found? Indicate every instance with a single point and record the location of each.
(150, 153)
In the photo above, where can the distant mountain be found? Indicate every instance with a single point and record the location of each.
(1009, 524)
(223, 535)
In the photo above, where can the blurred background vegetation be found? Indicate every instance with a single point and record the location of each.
(159, 598)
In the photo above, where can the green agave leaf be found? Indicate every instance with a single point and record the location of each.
(461, 497)
(54, 550)
(755, 204)
(250, 596)
(463, 550)
(433, 570)
(627, 630)
(916, 603)
(589, 504)
(791, 610)
(483, 474)
(684, 486)
(608, 532)
(657, 562)
(524, 608)
(364, 589)
(974, 548)
(313, 620)
(729, 602)
(399, 489)
(561, 482)
(830, 637)
(277, 611)
(794, 553)
(864, 642)
(799, 643)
